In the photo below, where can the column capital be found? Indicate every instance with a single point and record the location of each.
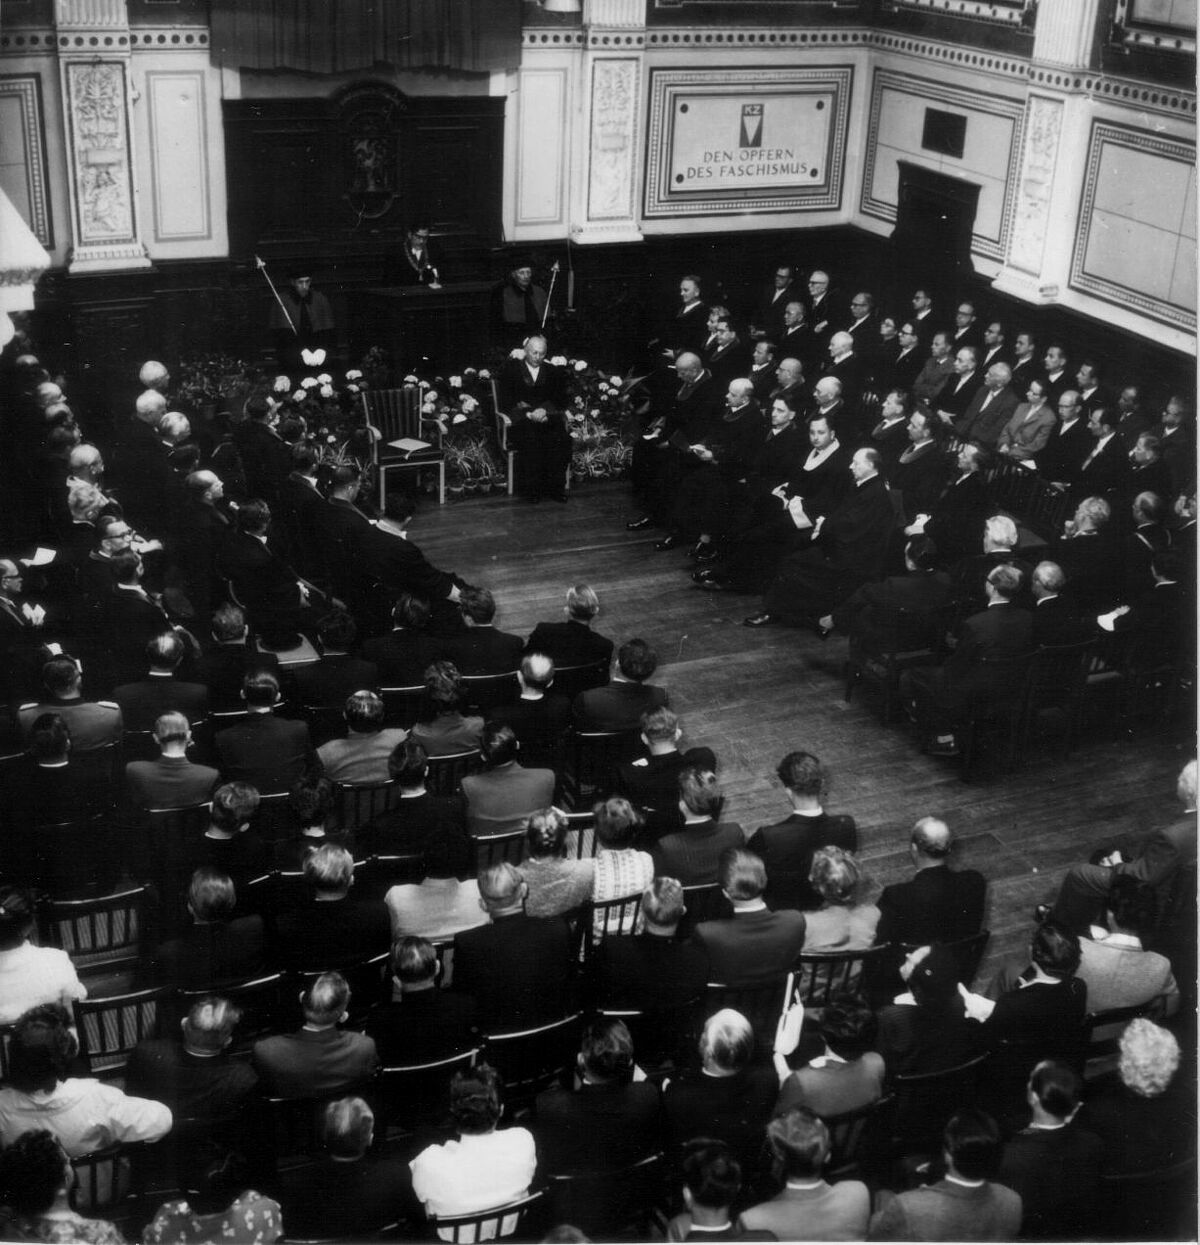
(615, 13)
(1065, 33)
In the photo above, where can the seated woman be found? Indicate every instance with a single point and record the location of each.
(556, 884)
(83, 1114)
(30, 975)
(620, 870)
(484, 1166)
(224, 1209)
(441, 728)
(841, 923)
(35, 1185)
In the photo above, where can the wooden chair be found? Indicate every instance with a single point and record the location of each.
(1102, 1033)
(106, 1182)
(492, 849)
(1001, 712)
(703, 903)
(495, 1224)
(356, 803)
(503, 427)
(609, 916)
(396, 413)
(380, 873)
(110, 1028)
(762, 1004)
(663, 1039)
(417, 1094)
(532, 1060)
(909, 640)
(101, 936)
(610, 1206)
(593, 755)
(401, 705)
(569, 681)
(445, 773)
(259, 999)
(366, 979)
(926, 1100)
(68, 857)
(1054, 696)
(1158, 1205)
(822, 976)
(293, 1127)
(856, 1141)
(483, 692)
(581, 842)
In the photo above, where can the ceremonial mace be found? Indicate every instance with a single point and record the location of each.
(550, 291)
(262, 267)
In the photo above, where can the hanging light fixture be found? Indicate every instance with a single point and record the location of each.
(22, 261)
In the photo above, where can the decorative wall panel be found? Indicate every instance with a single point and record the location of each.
(1036, 186)
(729, 141)
(613, 139)
(1136, 239)
(23, 153)
(990, 159)
(179, 143)
(96, 95)
(542, 147)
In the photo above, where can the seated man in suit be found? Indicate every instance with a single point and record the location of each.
(539, 718)
(217, 946)
(848, 1074)
(693, 853)
(1156, 860)
(609, 1121)
(786, 848)
(963, 1206)
(755, 945)
(333, 928)
(533, 394)
(406, 652)
(505, 794)
(229, 845)
(319, 1057)
(808, 1208)
(229, 658)
(1056, 619)
(655, 970)
(53, 787)
(518, 969)
(942, 697)
(651, 783)
(172, 781)
(269, 752)
(337, 675)
(620, 705)
(938, 904)
(310, 803)
(362, 756)
(92, 723)
(421, 1023)
(573, 643)
(417, 819)
(142, 703)
(481, 649)
(193, 1074)
(354, 1189)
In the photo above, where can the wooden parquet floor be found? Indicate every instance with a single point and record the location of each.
(754, 695)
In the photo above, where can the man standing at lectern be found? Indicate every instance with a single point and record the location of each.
(413, 263)
(533, 394)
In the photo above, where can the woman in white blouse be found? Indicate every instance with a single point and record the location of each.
(30, 975)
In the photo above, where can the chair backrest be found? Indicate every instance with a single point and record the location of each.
(366, 979)
(821, 976)
(494, 849)
(1102, 1033)
(610, 1206)
(100, 935)
(593, 755)
(6, 1032)
(610, 916)
(110, 1028)
(1155, 1205)
(581, 842)
(762, 1004)
(533, 1059)
(379, 874)
(357, 803)
(445, 773)
(72, 857)
(850, 1137)
(294, 1126)
(259, 999)
(485, 691)
(704, 903)
(569, 681)
(395, 412)
(926, 1100)
(401, 705)
(495, 1224)
(417, 1094)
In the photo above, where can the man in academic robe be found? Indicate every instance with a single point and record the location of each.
(302, 319)
(533, 394)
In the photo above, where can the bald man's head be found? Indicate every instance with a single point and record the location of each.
(688, 366)
(932, 840)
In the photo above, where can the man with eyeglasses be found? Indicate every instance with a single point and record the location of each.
(414, 263)
(1070, 443)
(823, 311)
(20, 634)
(864, 323)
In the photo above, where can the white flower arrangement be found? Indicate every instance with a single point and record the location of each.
(455, 382)
(354, 374)
(353, 388)
(327, 391)
(604, 387)
(484, 374)
(468, 404)
(423, 384)
(323, 378)
(581, 365)
(300, 395)
(410, 379)
(460, 418)
(283, 384)
(615, 381)
(309, 382)
(559, 360)
(516, 353)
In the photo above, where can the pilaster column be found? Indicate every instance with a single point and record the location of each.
(605, 208)
(1066, 33)
(94, 59)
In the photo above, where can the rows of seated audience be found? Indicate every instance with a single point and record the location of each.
(195, 707)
